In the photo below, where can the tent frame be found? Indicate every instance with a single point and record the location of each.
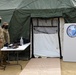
(45, 26)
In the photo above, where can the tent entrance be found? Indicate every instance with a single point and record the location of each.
(45, 34)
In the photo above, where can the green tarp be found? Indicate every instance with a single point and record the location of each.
(19, 26)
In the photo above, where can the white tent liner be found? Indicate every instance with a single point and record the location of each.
(46, 45)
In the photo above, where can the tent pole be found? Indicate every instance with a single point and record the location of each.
(59, 37)
(32, 40)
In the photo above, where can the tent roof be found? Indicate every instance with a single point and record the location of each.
(35, 4)
(45, 4)
(9, 4)
(35, 8)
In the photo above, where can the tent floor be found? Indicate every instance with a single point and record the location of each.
(42, 66)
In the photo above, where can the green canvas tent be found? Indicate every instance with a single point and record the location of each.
(19, 13)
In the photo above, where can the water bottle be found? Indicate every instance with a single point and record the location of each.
(21, 41)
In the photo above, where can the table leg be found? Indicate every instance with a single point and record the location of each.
(8, 57)
(17, 61)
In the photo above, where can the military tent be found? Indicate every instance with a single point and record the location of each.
(20, 15)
